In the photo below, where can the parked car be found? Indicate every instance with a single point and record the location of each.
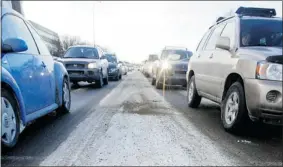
(85, 63)
(114, 68)
(238, 64)
(171, 67)
(32, 83)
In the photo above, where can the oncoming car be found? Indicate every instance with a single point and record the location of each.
(86, 63)
(171, 68)
(32, 83)
(238, 64)
(114, 68)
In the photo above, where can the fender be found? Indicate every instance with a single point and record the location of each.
(8, 79)
(59, 73)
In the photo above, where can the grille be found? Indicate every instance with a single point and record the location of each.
(75, 72)
(180, 72)
(76, 66)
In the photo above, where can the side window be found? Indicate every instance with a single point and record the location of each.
(213, 38)
(96, 53)
(15, 27)
(204, 38)
(43, 50)
(230, 31)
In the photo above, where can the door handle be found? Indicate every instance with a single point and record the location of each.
(43, 65)
(211, 56)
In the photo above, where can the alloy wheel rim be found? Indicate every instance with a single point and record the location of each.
(9, 123)
(66, 95)
(232, 108)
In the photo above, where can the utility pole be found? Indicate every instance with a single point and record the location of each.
(93, 24)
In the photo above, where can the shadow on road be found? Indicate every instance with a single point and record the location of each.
(45, 134)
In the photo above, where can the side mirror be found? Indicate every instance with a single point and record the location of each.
(223, 43)
(14, 45)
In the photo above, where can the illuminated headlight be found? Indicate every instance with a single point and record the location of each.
(166, 65)
(269, 71)
(92, 65)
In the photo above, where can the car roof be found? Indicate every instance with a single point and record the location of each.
(260, 18)
(85, 46)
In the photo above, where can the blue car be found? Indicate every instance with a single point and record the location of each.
(32, 83)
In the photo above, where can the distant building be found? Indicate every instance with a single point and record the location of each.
(50, 38)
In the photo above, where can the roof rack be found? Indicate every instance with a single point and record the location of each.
(175, 47)
(248, 11)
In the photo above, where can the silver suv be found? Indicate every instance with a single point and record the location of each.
(238, 64)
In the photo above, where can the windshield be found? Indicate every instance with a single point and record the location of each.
(81, 52)
(183, 54)
(110, 58)
(261, 32)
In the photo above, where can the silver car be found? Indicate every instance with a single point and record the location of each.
(86, 63)
(238, 64)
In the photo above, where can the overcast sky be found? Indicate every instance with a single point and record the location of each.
(135, 29)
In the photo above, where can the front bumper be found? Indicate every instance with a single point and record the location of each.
(174, 79)
(113, 74)
(88, 75)
(259, 107)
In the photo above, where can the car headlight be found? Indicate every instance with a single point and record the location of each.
(166, 65)
(92, 65)
(269, 71)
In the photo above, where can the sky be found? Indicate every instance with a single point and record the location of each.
(135, 29)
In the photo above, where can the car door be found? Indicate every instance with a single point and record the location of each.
(221, 61)
(198, 64)
(210, 83)
(44, 64)
(22, 64)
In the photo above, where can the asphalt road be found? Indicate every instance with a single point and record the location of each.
(129, 122)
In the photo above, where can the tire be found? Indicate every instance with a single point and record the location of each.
(121, 76)
(158, 85)
(9, 112)
(99, 83)
(105, 80)
(240, 113)
(193, 98)
(76, 83)
(66, 98)
(153, 81)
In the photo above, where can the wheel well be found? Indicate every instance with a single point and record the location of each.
(232, 78)
(9, 88)
(191, 73)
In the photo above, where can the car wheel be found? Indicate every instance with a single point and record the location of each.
(105, 80)
(10, 122)
(193, 98)
(75, 83)
(99, 83)
(66, 98)
(234, 114)
(121, 76)
(153, 81)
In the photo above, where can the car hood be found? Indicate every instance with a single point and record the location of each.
(271, 54)
(112, 65)
(83, 60)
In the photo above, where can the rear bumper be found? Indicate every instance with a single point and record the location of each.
(258, 106)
